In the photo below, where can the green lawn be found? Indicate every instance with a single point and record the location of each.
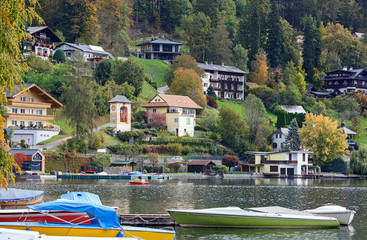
(147, 93)
(66, 130)
(234, 105)
(363, 135)
(155, 68)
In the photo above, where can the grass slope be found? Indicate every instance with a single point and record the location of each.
(239, 108)
(155, 68)
(147, 93)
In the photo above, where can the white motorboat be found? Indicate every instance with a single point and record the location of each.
(235, 217)
(344, 216)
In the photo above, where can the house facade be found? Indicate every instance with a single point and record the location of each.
(120, 113)
(279, 137)
(42, 42)
(227, 81)
(178, 113)
(161, 49)
(34, 160)
(201, 166)
(281, 164)
(91, 54)
(344, 81)
(27, 114)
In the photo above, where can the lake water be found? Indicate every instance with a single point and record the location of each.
(160, 195)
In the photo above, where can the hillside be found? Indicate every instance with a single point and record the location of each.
(154, 68)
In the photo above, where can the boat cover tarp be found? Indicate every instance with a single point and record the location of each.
(106, 216)
(277, 209)
(17, 195)
(81, 197)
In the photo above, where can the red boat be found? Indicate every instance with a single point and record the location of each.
(138, 183)
(27, 215)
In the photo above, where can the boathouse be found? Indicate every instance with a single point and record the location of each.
(201, 166)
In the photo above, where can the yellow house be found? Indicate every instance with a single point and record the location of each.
(27, 113)
(291, 164)
(178, 113)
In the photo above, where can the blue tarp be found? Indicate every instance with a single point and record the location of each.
(85, 197)
(106, 216)
(16, 195)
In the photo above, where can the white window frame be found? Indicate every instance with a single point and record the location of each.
(31, 111)
(22, 123)
(30, 99)
(22, 110)
(30, 123)
(22, 99)
(175, 120)
(14, 122)
(38, 123)
(39, 112)
(14, 110)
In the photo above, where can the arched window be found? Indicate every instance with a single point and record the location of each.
(123, 114)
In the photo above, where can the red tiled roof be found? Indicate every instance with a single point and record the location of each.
(173, 101)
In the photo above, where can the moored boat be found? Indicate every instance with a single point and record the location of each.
(19, 197)
(104, 223)
(343, 215)
(235, 217)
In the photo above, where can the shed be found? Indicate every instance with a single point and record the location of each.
(127, 166)
(34, 160)
(202, 166)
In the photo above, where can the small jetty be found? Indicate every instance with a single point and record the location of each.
(147, 220)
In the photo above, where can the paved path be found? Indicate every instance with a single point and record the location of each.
(57, 142)
(163, 90)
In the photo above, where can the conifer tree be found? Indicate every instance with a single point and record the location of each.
(293, 140)
(254, 31)
(275, 47)
(309, 48)
(210, 92)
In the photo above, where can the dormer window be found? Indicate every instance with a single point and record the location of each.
(22, 99)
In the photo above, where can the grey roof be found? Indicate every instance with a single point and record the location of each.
(84, 48)
(161, 41)
(32, 30)
(282, 130)
(120, 99)
(354, 73)
(347, 131)
(17, 89)
(220, 68)
(293, 109)
(27, 152)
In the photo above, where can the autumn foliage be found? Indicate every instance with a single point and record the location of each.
(259, 66)
(187, 82)
(20, 158)
(211, 102)
(156, 120)
(320, 134)
(230, 160)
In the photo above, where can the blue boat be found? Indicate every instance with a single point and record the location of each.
(19, 197)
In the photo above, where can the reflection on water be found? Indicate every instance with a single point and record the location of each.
(161, 195)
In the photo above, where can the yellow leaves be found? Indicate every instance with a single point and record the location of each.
(321, 135)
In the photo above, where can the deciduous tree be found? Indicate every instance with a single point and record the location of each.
(230, 124)
(259, 69)
(185, 61)
(230, 160)
(188, 83)
(14, 17)
(321, 135)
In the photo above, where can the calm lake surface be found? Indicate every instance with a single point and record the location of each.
(160, 195)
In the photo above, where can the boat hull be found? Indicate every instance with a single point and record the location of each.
(343, 215)
(21, 203)
(240, 221)
(85, 230)
(26, 215)
(138, 183)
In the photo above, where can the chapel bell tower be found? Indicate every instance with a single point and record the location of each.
(120, 113)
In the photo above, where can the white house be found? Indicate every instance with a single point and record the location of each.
(227, 81)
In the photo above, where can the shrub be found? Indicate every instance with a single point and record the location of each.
(100, 160)
(186, 150)
(358, 161)
(338, 165)
(125, 136)
(175, 168)
(174, 148)
(211, 102)
(59, 56)
(230, 160)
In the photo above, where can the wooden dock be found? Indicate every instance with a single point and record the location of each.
(147, 220)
